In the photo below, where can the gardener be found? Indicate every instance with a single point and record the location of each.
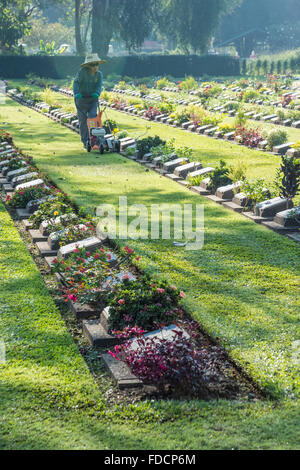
(87, 90)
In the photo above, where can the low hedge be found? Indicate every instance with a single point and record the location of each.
(134, 66)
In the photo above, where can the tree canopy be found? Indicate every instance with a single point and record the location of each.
(192, 23)
(266, 16)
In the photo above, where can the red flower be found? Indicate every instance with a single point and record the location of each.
(129, 250)
(73, 298)
(121, 302)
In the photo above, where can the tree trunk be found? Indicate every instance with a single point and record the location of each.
(79, 44)
(102, 26)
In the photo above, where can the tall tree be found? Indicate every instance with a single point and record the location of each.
(14, 22)
(82, 7)
(131, 19)
(260, 15)
(192, 23)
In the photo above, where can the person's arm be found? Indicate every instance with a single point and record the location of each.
(99, 84)
(76, 90)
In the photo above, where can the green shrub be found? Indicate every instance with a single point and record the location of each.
(143, 303)
(250, 95)
(188, 84)
(255, 191)
(276, 137)
(290, 168)
(144, 145)
(219, 177)
(109, 125)
(163, 83)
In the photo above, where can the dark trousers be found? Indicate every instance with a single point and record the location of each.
(86, 108)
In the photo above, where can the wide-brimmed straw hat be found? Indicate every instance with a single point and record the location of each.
(92, 59)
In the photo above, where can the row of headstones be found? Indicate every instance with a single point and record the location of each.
(208, 130)
(56, 114)
(95, 322)
(95, 330)
(273, 118)
(277, 103)
(68, 119)
(48, 242)
(214, 131)
(276, 213)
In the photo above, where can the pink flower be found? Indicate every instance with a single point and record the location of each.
(160, 290)
(173, 287)
(138, 258)
(128, 318)
(97, 256)
(121, 302)
(73, 298)
(129, 250)
(8, 198)
(126, 276)
(182, 294)
(55, 261)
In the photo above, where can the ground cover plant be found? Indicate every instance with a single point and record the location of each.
(21, 197)
(179, 366)
(143, 303)
(260, 274)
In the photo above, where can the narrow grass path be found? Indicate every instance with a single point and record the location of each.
(242, 287)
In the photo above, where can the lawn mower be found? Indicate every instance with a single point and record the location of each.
(97, 135)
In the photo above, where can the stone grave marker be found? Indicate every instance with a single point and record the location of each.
(183, 170)
(30, 184)
(228, 191)
(45, 224)
(205, 184)
(91, 244)
(200, 172)
(14, 173)
(165, 333)
(282, 149)
(33, 205)
(288, 218)
(270, 207)
(17, 180)
(171, 165)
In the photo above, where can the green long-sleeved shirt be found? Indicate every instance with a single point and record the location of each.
(86, 84)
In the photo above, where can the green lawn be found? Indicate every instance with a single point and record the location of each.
(242, 287)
